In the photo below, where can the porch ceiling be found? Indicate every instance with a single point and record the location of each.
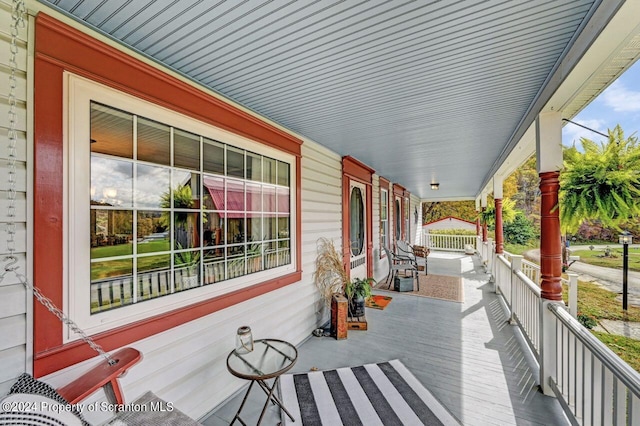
(419, 91)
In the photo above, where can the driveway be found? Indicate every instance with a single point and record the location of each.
(609, 278)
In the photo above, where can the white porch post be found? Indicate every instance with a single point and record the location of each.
(549, 161)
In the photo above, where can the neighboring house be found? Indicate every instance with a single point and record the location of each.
(449, 222)
(160, 215)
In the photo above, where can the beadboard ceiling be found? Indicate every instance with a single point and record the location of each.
(421, 91)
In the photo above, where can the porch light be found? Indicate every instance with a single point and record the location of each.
(625, 239)
(244, 340)
(435, 186)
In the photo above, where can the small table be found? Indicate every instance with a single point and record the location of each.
(269, 359)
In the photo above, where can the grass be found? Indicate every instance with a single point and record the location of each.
(601, 303)
(596, 257)
(626, 348)
(519, 248)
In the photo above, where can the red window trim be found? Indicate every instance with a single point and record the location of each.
(60, 48)
(402, 192)
(353, 169)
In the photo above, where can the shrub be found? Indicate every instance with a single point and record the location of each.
(519, 231)
(588, 321)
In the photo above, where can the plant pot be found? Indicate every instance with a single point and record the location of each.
(190, 281)
(356, 307)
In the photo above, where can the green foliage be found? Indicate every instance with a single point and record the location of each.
(587, 321)
(508, 213)
(519, 231)
(440, 209)
(601, 183)
(359, 287)
(182, 199)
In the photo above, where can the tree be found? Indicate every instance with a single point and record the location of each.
(601, 182)
(508, 213)
(519, 231)
(437, 210)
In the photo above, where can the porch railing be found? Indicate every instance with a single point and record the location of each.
(447, 242)
(592, 384)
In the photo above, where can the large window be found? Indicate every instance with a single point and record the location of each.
(174, 207)
(384, 220)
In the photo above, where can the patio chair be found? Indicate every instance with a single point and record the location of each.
(400, 263)
(417, 254)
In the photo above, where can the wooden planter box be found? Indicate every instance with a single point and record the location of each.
(339, 308)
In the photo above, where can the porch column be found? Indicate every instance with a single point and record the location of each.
(477, 217)
(549, 162)
(497, 198)
(483, 202)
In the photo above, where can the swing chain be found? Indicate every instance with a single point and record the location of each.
(17, 22)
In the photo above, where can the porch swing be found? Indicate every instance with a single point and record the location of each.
(34, 402)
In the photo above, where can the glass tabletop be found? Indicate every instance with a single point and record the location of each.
(269, 358)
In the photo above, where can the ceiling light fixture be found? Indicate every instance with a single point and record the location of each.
(435, 186)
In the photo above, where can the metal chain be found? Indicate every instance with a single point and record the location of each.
(17, 22)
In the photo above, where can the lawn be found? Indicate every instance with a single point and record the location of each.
(599, 303)
(596, 257)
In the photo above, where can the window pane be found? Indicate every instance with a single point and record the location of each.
(111, 131)
(154, 142)
(269, 199)
(186, 232)
(111, 182)
(254, 226)
(283, 173)
(213, 157)
(254, 198)
(111, 233)
(235, 261)
(254, 258)
(270, 226)
(213, 190)
(235, 162)
(254, 167)
(213, 229)
(235, 228)
(284, 253)
(154, 276)
(271, 255)
(356, 222)
(187, 270)
(153, 234)
(186, 193)
(152, 184)
(283, 200)
(111, 284)
(269, 170)
(235, 196)
(283, 227)
(214, 266)
(186, 150)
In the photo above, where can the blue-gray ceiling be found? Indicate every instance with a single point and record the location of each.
(418, 90)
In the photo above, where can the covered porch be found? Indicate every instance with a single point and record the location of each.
(466, 353)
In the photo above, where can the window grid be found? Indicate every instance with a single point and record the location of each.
(384, 220)
(212, 263)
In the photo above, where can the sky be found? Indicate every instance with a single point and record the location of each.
(618, 104)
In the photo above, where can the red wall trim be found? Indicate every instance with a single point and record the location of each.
(353, 169)
(400, 191)
(59, 47)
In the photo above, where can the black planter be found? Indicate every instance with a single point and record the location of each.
(356, 307)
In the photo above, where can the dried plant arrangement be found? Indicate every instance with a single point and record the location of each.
(330, 275)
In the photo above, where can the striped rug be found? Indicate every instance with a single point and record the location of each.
(372, 394)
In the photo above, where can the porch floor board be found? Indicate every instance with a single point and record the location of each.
(464, 353)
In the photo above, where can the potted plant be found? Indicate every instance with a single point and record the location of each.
(188, 262)
(358, 291)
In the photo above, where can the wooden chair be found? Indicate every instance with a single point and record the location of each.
(399, 263)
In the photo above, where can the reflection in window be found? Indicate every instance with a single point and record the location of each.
(356, 209)
(384, 219)
(161, 225)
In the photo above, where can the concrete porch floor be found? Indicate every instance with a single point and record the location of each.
(464, 353)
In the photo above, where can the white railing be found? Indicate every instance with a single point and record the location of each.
(447, 242)
(522, 297)
(593, 385)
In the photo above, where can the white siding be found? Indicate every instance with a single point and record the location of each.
(416, 226)
(380, 266)
(187, 364)
(451, 223)
(14, 312)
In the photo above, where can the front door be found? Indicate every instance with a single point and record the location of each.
(358, 230)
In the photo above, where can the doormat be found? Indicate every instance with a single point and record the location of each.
(378, 301)
(440, 287)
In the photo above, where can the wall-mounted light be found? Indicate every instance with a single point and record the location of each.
(435, 186)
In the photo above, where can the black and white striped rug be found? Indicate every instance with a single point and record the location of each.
(372, 394)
